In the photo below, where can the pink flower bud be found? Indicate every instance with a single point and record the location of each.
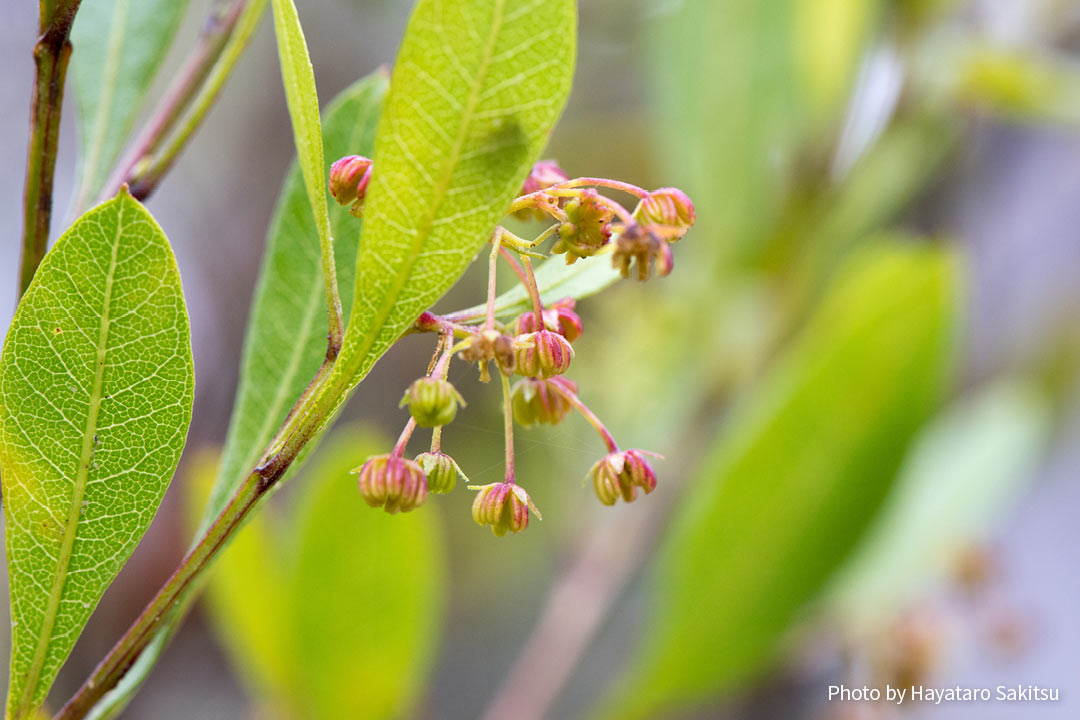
(504, 506)
(441, 470)
(667, 207)
(620, 474)
(349, 178)
(645, 249)
(588, 228)
(392, 483)
(535, 400)
(542, 354)
(559, 317)
(432, 401)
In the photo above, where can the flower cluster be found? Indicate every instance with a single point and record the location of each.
(536, 345)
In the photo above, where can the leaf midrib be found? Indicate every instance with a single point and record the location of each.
(424, 229)
(79, 487)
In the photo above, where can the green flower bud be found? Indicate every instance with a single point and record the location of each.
(667, 207)
(432, 401)
(441, 470)
(392, 483)
(536, 400)
(588, 228)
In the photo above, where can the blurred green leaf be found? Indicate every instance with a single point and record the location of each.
(966, 470)
(798, 474)
(476, 90)
(725, 77)
(556, 280)
(286, 336)
(1021, 85)
(251, 567)
(118, 46)
(830, 37)
(298, 78)
(337, 612)
(96, 388)
(366, 595)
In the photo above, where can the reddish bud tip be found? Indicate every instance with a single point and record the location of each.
(349, 178)
(392, 483)
(542, 354)
(504, 506)
(559, 318)
(670, 208)
(620, 474)
(536, 400)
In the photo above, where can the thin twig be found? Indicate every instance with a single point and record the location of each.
(223, 38)
(51, 55)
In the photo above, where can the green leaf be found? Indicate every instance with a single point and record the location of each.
(299, 80)
(118, 46)
(556, 280)
(965, 472)
(286, 337)
(476, 90)
(350, 599)
(96, 387)
(801, 469)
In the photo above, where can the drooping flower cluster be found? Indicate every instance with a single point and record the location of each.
(536, 345)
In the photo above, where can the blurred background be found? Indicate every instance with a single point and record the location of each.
(862, 374)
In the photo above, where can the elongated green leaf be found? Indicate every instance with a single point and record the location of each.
(286, 339)
(96, 386)
(118, 47)
(556, 280)
(350, 600)
(475, 92)
(966, 471)
(804, 465)
(299, 80)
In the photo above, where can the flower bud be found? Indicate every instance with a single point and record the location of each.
(441, 470)
(588, 228)
(539, 401)
(432, 401)
(647, 251)
(669, 207)
(544, 174)
(392, 482)
(488, 345)
(504, 506)
(620, 474)
(349, 178)
(559, 317)
(542, 354)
